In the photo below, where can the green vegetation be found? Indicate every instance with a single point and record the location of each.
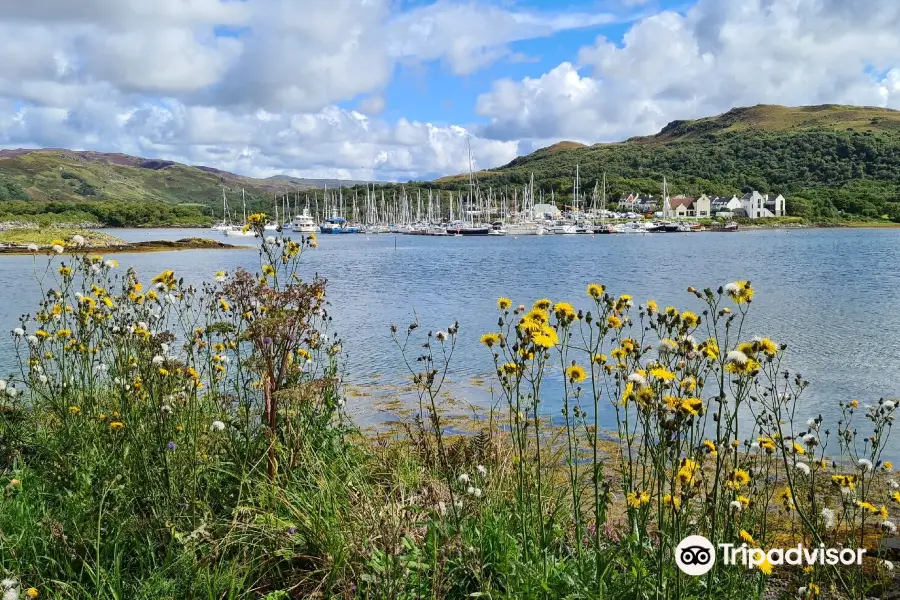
(169, 441)
(61, 186)
(829, 162)
(44, 238)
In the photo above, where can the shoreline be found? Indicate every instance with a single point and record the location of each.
(136, 247)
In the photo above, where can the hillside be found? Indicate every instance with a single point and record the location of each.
(118, 189)
(829, 161)
(317, 183)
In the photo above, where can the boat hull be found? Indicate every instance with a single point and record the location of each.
(469, 231)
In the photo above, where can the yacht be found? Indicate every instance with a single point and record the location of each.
(497, 228)
(304, 223)
(337, 225)
(563, 228)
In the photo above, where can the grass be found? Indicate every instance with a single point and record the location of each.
(168, 441)
(47, 237)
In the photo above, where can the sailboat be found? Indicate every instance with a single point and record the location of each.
(466, 227)
(238, 230)
(604, 227)
(225, 224)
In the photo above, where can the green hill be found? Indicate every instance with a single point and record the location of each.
(829, 161)
(117, 189)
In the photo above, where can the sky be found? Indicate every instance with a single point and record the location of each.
(393, 90)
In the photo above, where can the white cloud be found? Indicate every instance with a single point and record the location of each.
(164, 78)
(719, 54)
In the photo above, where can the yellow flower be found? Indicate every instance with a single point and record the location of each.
(636, 500)
(744, 501)
(799, 449)
(692, 406)
(883, 512)
(595, 291)
(224, 304)
(739, 291)
(614, 322)
(745, 535)
(542, 304)
(867, 506)
(626, 393)
(896, 497)
(108, 302)
(767, 346)
(844, 481)
(65, 271)
(546, 338)
(116, 425)
(710, 447)
(854, 404)
(765, 566)
(687, 471)
(668, 500)
(503, 303)
(671, 311)
(63, 333)
(303, 353)
(710, 349)
(268, 270)
(511, 369)
(887, 465)
(688, 384)
(737, 479)
(564, 311)
(652, 307)
(490, 339)
(31, 592)
(661, 373)
(689, 319)
(57, 243)
(576, 374)
(74, 410)
(598, 359)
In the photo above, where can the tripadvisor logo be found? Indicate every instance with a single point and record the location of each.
(695, 555)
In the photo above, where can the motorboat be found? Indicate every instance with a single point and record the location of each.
(304, 223)
(337, 225)
(564, 228)
(497, 228)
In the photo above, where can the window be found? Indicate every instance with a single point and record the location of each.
(702, 213)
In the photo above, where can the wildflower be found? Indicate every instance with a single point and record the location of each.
(889, 526)
(481, 470)
(626, 393)
(31, 592)
(268, 270)
(8, 583)
(710, 349)
(220, 277)
(543, 304)
(867, 506)
(865, 464)
(666, 346)
(802, 467)
(463, 478)
(111, 263)
(490, 339)
(687, 471)
(576, 374)
(636, 500)
(57, 248)
(669, 500)
(271, 241)
(546, 338)
(564, 311)
(224, 304)
(888, 565)
(736, 506)
(595, 291)
(477, 493)
(736, 357)
(171, 446)
(116, 426)
(744, 501)
(689, 319)
(797, 448)
(599, 359)
(662, 374)
(737, 479)
(887, 465)
(74, 410)
(739, 291)
(18, 332)
(614, 322)
(441, 336)
(652, 307)
(78, 240)
(470, 490)
(854, 404)
(766, 346)
(710, 447)
(503, 303)
(745, 535)
(692, 406)
(883, 512)
(765, 566)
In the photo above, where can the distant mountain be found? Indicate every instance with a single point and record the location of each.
(828, 160)
(318, 183)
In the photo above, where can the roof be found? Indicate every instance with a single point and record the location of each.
(680, 201)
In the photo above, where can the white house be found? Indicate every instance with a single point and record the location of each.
(724, 204)
(757, 206)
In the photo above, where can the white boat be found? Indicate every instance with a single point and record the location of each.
(225, 223)
(524, 228)
(563, 228)
(634, 227)
(304, 223)
(238, 230)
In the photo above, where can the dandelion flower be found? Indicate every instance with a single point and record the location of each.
(666, 346)
(503, 303)
(637, 379)
(58, 249)
(441, 336)
(689, 319)
(490, 339)
(576, 374)
(737, 479)
(116, 426)
(662, 374)
(865, 464)
(739, 291)
(220, 277)
(224, 304)
(217, 426)
(737, 357)
(595, 291)
(745, 535)
(9, 583)
(31, 592)
(652, 307)
(614, 322)
(887, 465)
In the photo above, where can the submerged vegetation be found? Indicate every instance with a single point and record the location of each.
(163, 440)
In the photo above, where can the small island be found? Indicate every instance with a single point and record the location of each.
(27, 241)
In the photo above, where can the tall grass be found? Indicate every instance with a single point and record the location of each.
(162, 440)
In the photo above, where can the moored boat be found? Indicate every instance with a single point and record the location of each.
(304, 223)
